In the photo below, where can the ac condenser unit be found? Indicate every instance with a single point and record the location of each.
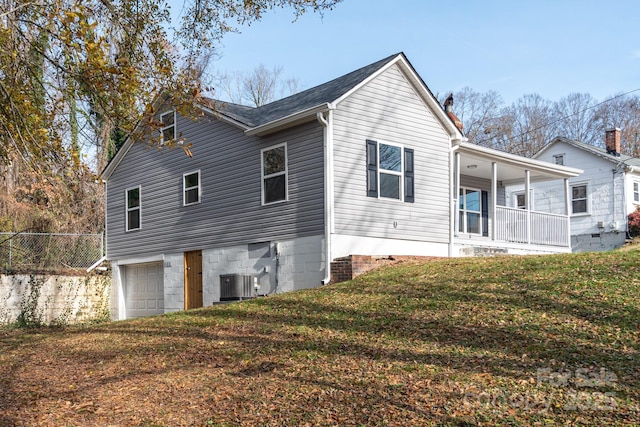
(237, 286)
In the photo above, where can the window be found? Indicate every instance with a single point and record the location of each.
(168, 129)
(636, 192)
(520, 201)
(133, 209)
(191, 188)
(390, 172)
(579, 199)
(274, 174)
(470, 211)
(559, 159)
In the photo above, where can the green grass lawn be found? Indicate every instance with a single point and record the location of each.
(545, 340)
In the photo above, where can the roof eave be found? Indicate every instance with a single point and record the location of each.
(523, 162)
(128, 142)
(224, 117)
(287, 121)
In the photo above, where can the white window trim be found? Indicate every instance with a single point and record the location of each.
(588, 198)
(521, 193)
(127, 210)
(464, 211)
(184, 189)
(559, 156)
(388, 172)
(162, 129)
(634, 192)
(285, 173)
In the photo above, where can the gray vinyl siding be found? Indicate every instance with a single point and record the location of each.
(388, 109)
(230, 211)
(484, 185)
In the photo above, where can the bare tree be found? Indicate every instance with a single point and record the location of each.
(479, 113)
(574, 117)
(258, 87)
(621, 111)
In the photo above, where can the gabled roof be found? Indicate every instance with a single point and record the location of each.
(305, 100)
(596, 151)
(305, 105)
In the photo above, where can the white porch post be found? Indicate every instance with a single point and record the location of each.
(527, 202)
(567, 209)
(494, 199)
(456, 188)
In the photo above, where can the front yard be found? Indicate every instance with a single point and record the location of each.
(545, 340)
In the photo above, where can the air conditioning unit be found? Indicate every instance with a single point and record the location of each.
(237, 286)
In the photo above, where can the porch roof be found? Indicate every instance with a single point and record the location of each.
(476, 161)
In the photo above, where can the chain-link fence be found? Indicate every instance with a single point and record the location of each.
(49, 251)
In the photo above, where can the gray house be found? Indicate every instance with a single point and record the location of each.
(367, 164)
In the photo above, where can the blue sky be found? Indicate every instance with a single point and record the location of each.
(517, 47)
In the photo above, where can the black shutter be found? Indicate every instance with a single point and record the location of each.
(408, 176)
(485, 213)
(372, 168)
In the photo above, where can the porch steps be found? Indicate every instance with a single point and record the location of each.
(481, 251)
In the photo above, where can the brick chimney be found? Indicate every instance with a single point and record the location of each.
(612, 141)
(448, 108)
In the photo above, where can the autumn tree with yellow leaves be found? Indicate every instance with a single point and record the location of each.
(77, 76)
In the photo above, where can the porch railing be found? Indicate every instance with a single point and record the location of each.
(545, 228)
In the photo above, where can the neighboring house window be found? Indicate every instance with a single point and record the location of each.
(168, 129)
(579, 199)
(559, 159)
(470, 211)
(520, 201)
(390, 171)
(133, 209)
(636, 192)
(274, 174)
(191, 188)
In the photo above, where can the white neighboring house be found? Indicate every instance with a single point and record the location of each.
(601, 197)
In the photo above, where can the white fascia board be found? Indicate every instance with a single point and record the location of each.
(543, 149)
(519, 161)
(299, 117)
(115, 161)
(419, 85)
(221, 116)
(117, 158)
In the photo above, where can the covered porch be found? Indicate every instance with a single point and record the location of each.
(485, 215)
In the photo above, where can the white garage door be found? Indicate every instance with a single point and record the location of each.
(144, 286)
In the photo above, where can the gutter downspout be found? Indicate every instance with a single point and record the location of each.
(327, 124)
(96, 264)
(453, 185)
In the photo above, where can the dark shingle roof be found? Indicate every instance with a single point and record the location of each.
(324, 93)
(598, 151)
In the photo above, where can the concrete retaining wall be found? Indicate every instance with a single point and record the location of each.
(53, 299)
